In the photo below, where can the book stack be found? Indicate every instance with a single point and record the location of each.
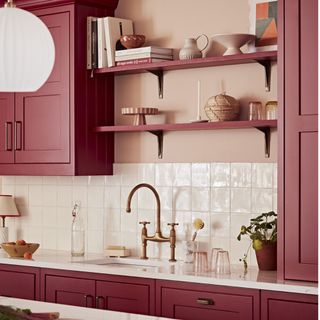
(142, 55)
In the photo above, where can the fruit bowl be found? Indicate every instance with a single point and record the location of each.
(132, 40)
(18, 250)
(233, 41)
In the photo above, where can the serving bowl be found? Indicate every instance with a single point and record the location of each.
(17, 250)
(233, 41)
(132, 40)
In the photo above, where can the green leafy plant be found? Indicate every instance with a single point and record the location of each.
(262, 229)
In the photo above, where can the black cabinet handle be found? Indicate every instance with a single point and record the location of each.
(204, 301)
(98, 298)
(87, 297)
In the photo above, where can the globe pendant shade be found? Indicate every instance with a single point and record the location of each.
(27, 51)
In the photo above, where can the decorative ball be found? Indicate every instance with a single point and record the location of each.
(222, 108)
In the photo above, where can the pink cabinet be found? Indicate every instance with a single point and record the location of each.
(117, 293)
(280, 305)
(188, 301)
(298, 123)
(53, 127)
(19, 282)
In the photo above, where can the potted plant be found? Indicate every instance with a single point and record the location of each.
(263, 234)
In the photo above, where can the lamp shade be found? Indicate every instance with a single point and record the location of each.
(8, 207)
(27, 51)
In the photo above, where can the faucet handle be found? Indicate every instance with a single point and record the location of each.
(144, 223)
(172, 224)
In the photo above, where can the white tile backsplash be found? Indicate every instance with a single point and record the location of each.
(224, 195)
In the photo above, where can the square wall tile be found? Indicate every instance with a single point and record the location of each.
(164, 174)
(220, 200)
(261, 200)
(146, 199)
(146, 173)
(165, 194)
(220, 226)
(182, 198)
(95, 196)
(112, 197)
(241, 174)
(201, 199)
(201, 175)
(220, 174)
(95, 219)
(241, 200)
(112, 220)
(181, 174)
(262, 174)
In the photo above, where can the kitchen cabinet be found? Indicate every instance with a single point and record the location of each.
(179, 300)
(298, 140)
(117, 293)
(280, 305)
(53, 127)
(19, 282)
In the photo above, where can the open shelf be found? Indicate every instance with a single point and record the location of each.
(158, 129)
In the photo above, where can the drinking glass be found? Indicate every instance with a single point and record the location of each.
(223, 262)
(256, 110)
(200, 261)
(213, 259)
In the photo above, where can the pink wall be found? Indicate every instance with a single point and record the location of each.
(169, 28)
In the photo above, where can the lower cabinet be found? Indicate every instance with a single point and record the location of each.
(293, 306)
(186, 301)
(19, 282)
(117, 293)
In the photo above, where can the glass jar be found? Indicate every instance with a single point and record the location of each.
(77, 233)
(272, 110)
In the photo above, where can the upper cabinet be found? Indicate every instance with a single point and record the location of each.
(50, 132)
(298, 144)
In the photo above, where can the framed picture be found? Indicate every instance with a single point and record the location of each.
(264, 24)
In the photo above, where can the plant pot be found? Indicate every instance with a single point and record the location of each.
(267, 256)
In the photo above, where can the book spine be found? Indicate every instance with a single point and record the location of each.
(94, 46)
(102, 50)
(143, 55)
(138, 61)
(89, 43)
(164, 51)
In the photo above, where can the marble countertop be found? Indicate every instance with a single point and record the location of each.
(162, 270)
(72, 312)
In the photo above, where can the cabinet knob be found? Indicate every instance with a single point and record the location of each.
(205, 301)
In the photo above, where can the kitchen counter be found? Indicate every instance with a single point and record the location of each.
(71, 312)
(254, 279)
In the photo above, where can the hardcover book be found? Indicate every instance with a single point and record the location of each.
(150, 49)
(102, 49)
(143, 55)
(139, 61)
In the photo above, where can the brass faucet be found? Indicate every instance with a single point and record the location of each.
(157, 237)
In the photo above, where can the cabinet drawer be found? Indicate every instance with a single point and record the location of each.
(208, 302)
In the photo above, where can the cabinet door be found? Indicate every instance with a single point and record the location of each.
(280, 305)
(42, 125)
(299, 163)
(71, 291)
(124, 297)
(188, 302)
(19, 282)
(6, 127)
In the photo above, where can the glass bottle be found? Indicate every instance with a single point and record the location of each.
(77, 233)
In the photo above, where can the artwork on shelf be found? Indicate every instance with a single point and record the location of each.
(264, 24)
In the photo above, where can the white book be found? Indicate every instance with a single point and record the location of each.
(150, 49)
(144, 55)
(114, 29)
(102, 49)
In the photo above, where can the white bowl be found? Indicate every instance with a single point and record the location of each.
(233, 42)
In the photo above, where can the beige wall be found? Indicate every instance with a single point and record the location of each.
(167, 23)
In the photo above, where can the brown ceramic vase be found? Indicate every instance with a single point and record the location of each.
(267, 256)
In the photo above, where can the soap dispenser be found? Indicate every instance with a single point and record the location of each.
(77, 232)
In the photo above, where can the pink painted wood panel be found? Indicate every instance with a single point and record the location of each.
(6, 127)
(43, 135)
(184, 301)
(280, 306)
(19, 282)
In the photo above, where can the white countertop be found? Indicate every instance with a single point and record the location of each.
(71, 312)
(254, 279)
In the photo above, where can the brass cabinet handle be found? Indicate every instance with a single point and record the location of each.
(16, 125)
(204, 301)
(8, 133)
(98, 298)
(87, 297)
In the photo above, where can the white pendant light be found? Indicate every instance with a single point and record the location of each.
(27, 50)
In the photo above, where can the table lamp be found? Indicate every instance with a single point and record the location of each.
(8, 208)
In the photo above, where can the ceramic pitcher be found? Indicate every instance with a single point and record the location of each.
(191, 50)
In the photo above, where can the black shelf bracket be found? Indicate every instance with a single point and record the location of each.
(267, 69)
(159, 135)
(267, 138)
(159, 75)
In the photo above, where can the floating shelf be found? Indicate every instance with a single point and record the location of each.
(158, 129)
(158, 68)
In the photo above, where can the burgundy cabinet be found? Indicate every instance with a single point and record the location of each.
(188, 301)
(19, 282)
(117, 293)
(298, 166)
(53, 127)
(280, 305)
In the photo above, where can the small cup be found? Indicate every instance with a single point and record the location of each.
(223, 262)
(256, 110)
(213, 259)
(200, 261)
(188, 251)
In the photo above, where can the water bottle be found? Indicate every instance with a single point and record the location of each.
(77, 233)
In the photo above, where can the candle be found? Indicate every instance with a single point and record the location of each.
(199, 95)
